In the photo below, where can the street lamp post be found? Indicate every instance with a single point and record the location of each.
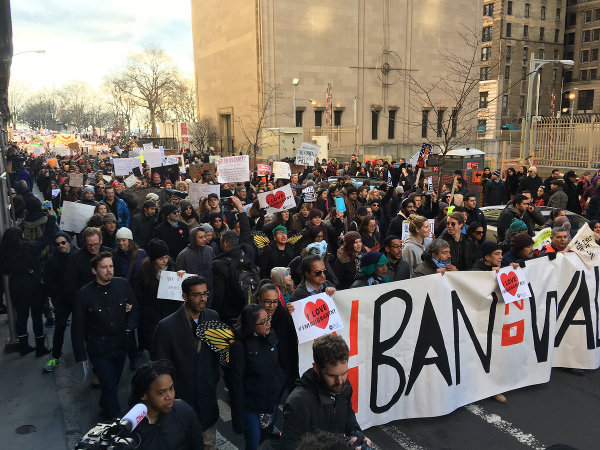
(534, 66)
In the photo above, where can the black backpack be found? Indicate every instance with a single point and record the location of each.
(246, 273)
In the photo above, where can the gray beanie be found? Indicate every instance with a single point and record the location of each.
(88, 188)
(207, 228)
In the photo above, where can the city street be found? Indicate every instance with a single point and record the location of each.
(61, 409)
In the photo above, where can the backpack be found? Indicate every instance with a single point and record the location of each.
(247, 275)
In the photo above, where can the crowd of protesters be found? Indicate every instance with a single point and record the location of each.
(248, 268)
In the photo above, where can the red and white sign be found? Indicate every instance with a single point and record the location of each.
(278, 200)
(263, 169)
(315, 316)
(513, 284)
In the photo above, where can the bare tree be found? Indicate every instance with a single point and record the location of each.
(180, 104)
(202, 133)
(41, 110)
(122, 104)
(150, 77)
(17, 99)
(75, 105)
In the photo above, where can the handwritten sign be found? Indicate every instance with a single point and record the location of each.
(281, 170)
(197, 191)
(308, 194)
(169, 286)
(263, 169)
(74, 216)
(306, 154)
(125, 166)
(429, 184)
(55, 192)
(542, 238)
(585, 246)
(148, 146)
(315, 316)
(171, 160)
(278, 200)
(513, 284)
(130, 180)
(406, 232)
(76, 180)
(234, 169)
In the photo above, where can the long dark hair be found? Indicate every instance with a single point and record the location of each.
(145, 376)
(248, 319)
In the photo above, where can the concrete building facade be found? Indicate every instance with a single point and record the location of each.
(357, 51)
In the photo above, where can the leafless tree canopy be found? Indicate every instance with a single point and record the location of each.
(203, 134)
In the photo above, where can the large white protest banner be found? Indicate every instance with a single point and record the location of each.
(197, 191)
(278, 200)
(306, 154)
(426, 346)
(315, 316)
(74, 216)
(125, 166)
(169, 285)
(233, 169)
(281, 170)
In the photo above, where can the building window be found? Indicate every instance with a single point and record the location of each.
(505, 102)
(542, 33)
(508, 51)
(568, 76)
(525, 31)
(454, 120)
(318, 118)
(596, 14)
(483, 99)
(587, 16)
(424, 123)
(586, 36)
(543, 13)
(585, 100)
(337, 118)
(522, 102)
(554, 72)
(594, 54)
(299, 113)
(571, 19)
(583, 75)
(557, 15)
(482, 123)
(527, 9)
(484, 73)
(541, 55)
(391, 123)
(556, 35)
(525, 52)
(556, 54)
(523, 73)
(488, 10)
(508, 29)
(486, 34)
(440, 122)
(509, 8)
(593, 74)
(507, 72)
(596, 34)
(569, 38)
(374, 124)
(486, 53)
(585, 56)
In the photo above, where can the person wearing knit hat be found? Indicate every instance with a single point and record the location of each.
(521, 249)
(279, 252)
(156, 249)
(210, 242)
(373, 270)
(109, 231)
(492, 257)
(563, 221)
(496, 172)
(517, 225)
(172, 230)
(188, 214)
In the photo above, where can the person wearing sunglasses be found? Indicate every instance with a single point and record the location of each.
(172, 230)
(314, 279)
(473, 241)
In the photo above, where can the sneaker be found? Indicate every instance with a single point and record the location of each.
(500, 398)
(51, 365)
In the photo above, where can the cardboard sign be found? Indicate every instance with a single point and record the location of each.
(513, 284)
(74, 216)
(125, 166)
(308, 194)
(74, 146)
(278, 200)
(315, 316)
(76, 180)
(197, 191)
(406, 232)
(130, 180)
(584, 245)
(340, 204)
(263, 169)
(234, 169)
(169, 286)
(281, 170)
(306, 154)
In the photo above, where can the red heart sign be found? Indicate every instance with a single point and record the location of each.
(276, 200)
(315, 311)
(510, 281)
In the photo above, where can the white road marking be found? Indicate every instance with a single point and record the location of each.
(505, 426)
(401, 438)
(224, 410)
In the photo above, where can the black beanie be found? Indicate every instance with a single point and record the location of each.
(34, 209)
(157, 248)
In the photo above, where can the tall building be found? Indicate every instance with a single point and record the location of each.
(512, 31)
(350, 59)
(582, 40)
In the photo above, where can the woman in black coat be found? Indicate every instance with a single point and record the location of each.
(511, 184)
(257, 376)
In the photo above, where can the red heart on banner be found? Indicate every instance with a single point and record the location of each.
(276, 200)
(312, 311)
(510, 281)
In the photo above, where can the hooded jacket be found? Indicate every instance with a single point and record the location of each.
(413, 250)
(194, 259)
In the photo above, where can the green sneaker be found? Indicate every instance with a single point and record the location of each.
(51, 365)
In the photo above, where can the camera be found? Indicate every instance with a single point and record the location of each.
(109, 436)
(360, 440)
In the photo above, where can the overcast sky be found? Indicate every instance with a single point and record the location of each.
(85, 40)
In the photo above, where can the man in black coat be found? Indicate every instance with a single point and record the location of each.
(322, 399)
(570, 188)
(474, 214)
(173, 231)
(278, 253)
(494, 192)
(196, 365)
(531, 182)
(143, 224)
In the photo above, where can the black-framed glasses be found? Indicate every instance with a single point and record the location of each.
(320, 272)
(264, 322)
(199, 294)
(270, 302)
(58, 244)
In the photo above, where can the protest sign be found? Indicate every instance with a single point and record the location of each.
(107, 178)
(340, 204)
(130, 180)
(584, 245)
(74, 216)
(542, 238)
(308, 194)
(406, 232)
(430, 184)
(61, 151)
(148, 146)
(124, 166)
(152, 157)
(76, 180)
(233, 169)
(315, 316)
(278, 200)
(263, 169)
(306, 154)
(55, 192)
(169, 285)
(513, 284)
(423, 155)
(195, 171)
(74, 146)
(424, 347)
(197, 191)
(171, 159)
(281, 170)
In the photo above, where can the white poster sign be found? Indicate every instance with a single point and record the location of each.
(148, 146)
(125, 166)
(281, 170)
(74, 216)
(315, 316)
(130, 180)
(426, 346)
(171, 160)
(152, 157)
(513, 284)
(308, 194)
(584, 245)
(169, 286)
(406, 233)
(278, 200)
(197, 191)
(233, 169)
(306, 154)
(61, 151)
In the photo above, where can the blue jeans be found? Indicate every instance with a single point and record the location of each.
(251, 430)
(108, 371)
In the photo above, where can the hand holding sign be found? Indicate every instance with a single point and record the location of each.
(278, 200)
(315, 316)
(513, 284)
